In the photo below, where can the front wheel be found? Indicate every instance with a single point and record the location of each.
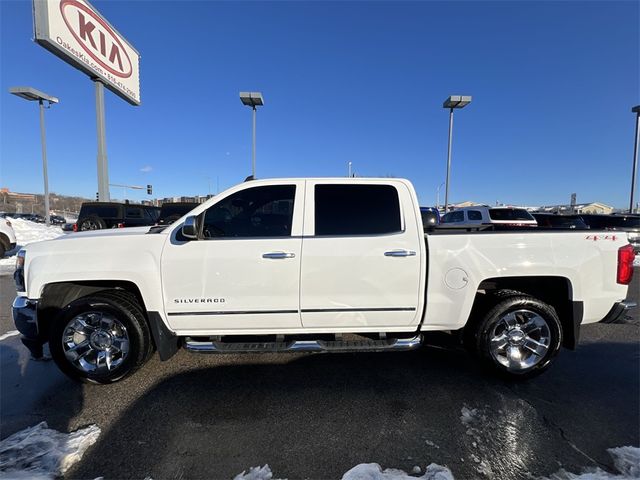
(518, 337)
(101, 338)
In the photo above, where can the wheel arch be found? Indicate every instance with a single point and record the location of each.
(556, 291)
(55, 296)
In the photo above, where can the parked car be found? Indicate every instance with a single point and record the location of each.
(24, 216)
(315, 265)
(57, 220)
(101, 215)
(7, 237)
(170, 212)
(430, 217)
(483, 216)
(552, 220)
(629, 223)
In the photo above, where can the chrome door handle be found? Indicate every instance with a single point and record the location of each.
(400, 253)
(278, 255)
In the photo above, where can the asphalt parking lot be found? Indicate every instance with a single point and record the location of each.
(316, 416)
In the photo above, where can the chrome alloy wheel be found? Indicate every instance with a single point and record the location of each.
(520, 339)
(95, 342)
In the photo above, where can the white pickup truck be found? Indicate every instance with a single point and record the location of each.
(313, 265)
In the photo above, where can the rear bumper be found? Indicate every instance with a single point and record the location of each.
(618, 311)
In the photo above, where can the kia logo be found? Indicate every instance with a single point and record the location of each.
(96, 38)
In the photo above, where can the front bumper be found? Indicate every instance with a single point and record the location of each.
(618, 311)
(25, 316)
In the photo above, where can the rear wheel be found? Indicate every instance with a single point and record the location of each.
(518, 337)
(92, 223)
(101, 338)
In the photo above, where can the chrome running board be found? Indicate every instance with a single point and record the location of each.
(392, 344)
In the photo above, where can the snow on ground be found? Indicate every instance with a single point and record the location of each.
(625, 459)
(636, 261)
(26, 232)
(364, 471)
(42, 453)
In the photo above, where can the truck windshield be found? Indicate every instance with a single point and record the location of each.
(514, 214)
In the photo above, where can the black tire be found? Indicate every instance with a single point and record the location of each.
(3, 250)
(118, 305)
(478, 338)
(91, 223)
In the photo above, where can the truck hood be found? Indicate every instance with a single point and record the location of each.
(111, 232)
(91, 239)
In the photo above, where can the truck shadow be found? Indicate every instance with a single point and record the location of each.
(34, 391)
(316, 416)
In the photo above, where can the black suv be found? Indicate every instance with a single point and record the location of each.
(620, 222)
(99, 215)
(170, 212)
(552, 220)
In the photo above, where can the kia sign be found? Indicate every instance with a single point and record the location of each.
(77, 33)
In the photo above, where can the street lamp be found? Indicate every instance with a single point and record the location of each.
(253, 100)
(634, 171)
(454, 101)
(32, 94)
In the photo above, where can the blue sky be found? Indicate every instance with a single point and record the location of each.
(552, 83)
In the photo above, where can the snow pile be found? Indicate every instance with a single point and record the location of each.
(468, 415)
(373, 471)
(364, 471)
(256, 473)
(42, 453)
(27, 232)
(625, 459)
(636, 261)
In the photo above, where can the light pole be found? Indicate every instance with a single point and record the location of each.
(253, 100)
(454, 101)
(634, 171)
(32, 94)
(438, 196)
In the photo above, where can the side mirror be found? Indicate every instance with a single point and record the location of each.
(190, 228)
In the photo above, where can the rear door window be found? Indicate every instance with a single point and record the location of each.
(102, 211)
(474, 215)
(342, 210)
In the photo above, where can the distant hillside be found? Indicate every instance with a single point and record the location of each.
(14, 202)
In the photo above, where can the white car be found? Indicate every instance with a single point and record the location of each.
(313, 265)
(7, 237)
(501, 217)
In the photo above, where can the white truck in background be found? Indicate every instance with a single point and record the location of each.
(313, 265)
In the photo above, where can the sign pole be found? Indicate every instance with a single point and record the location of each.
(253, 150)
(103, 169)
(45, 175)
(446, 192)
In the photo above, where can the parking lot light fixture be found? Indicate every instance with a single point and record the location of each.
(31, 94)
(452, 102)
(634, 170)
(253, 100)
